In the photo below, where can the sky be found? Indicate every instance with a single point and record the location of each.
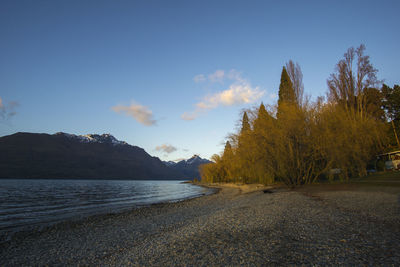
(173, 77)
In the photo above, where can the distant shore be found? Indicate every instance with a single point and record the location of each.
(238, 225)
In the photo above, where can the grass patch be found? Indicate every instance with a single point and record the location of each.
(388, 182)
(391, 178)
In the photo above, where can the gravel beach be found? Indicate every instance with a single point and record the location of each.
(233, 227)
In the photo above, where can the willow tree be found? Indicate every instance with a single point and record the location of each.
(348, 143)
(213, 172)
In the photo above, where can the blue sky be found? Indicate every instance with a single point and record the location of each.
(173, 76)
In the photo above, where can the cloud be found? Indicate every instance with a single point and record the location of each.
(166, 148)
(189, 116)
(236, 94)
(235, 76)
(140, 113)
(239, 92)
(217, 76)
(199, 78)
(7, 110)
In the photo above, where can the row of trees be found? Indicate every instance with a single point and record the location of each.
(299, 141)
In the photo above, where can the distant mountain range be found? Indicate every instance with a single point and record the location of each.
(92, 156)
(189, 167)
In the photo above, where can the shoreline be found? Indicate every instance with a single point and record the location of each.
(13, 236)
(230, 227)
(76, 221)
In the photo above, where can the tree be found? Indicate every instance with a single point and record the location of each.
(262, 167)
(296, 77)
(391, 104)
(228, 150)
(228, 162)
(243, 154)
(213, 172)
(374, 104)
(304, 141)
(260, 123)
(245, 124)
(348, 85)
(391, 101)
(286, 92)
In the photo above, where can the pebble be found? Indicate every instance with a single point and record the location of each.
(282, 228)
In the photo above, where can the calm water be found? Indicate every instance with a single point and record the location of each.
(34, 203)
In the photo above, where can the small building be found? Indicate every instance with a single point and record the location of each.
(391, 159)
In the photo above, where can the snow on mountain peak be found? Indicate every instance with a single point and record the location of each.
(196, 159)
(192, 159)
(94, 138)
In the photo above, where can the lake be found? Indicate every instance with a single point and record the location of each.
(27, 203)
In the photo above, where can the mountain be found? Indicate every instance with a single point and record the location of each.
(169, 163)
(92, 156)
(189, 168)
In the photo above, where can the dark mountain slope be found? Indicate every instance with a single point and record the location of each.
(30, 155)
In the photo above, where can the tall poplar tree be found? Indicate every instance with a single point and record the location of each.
(228, 161)
(245, 124)
(296, 77)
(263, 118)
(228, 150)
(286, 91)
(243, 155)
(260, 147)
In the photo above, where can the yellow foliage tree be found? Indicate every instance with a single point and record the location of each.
(304, 142)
